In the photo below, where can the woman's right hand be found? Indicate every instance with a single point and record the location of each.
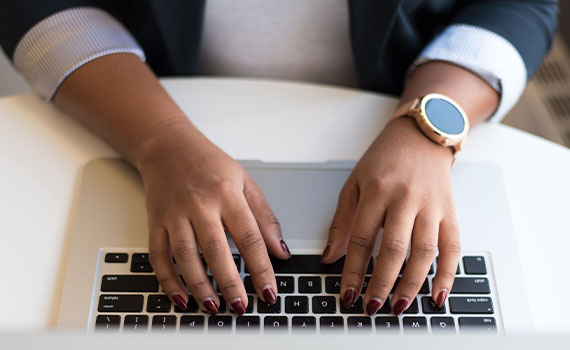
(194, 193)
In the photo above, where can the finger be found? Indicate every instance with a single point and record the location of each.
(367, 221)
(244, 230)
(212, 240)
(161, 261)
(266, 220)
(424, 248)
(339, 230)
(449, 251)
(185, 249)
(395, 241)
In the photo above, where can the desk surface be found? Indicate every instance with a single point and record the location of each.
(42, 153)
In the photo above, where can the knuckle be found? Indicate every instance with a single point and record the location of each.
(251, 240)
(377, 185)
(445, 276)
(166, 280)
(453, 247)
(425, 249)
(360, 240)
(395, 247)
(260, 269)
(229, 285)
(155, 256)
(214, 246)
(183, 249)
(199, 283)
(380, 287)
(411, 284)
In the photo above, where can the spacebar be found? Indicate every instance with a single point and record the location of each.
(310, 264)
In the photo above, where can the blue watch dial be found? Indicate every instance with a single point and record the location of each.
(444, 116)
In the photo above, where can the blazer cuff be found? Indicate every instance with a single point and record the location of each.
(486, 54)
(56, 46)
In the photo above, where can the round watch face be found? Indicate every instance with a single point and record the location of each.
(445, 116)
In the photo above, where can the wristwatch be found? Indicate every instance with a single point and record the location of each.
(440, 118)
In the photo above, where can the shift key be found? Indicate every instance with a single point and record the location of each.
(468, 285)
(120, 303)
(471, 305)
(129, 283)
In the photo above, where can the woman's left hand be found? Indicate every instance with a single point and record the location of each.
(402, 183)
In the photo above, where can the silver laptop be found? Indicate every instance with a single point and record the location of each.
(110, 286)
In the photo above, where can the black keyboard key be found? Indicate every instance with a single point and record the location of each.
(222, 306)
(442, 325)
(332, 324)
(474, 265)
(285, 284)
(310, 285)
(471, 305)
(237, 261)
(248, 284)
(136, 323)
(469, 285)
(362, 324)
(415, 324)
(304, 324)
(431, 270)
(164, 324)
(129, 283)
(116, 258)
(265, 308)
(387, 324)
(413, 309)
(365, 285)
(478, 324)
(140, 258)
(275, 324)
(324, 305)
(423, 290)
(296, 305)
(356, 308)
(191, 323)
(107, 323)
(192, 306)
(385, 309)
(247, 323)
(310, 264)
(332, 285)
(120, 303)
(220, 324)
(249, 308)
(141, 268)
(158, 303)
(429, 306)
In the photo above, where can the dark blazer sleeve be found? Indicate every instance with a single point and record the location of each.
(528, 25)
(19, 16)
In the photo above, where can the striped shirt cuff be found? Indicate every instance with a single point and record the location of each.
(61, 43)
(486, 54)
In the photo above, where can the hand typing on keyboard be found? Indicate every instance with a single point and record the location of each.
(194, 192)
(402, 184)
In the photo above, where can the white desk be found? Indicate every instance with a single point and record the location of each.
(42, 153)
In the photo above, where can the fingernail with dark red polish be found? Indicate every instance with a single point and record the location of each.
(179, 301)
(441, 298)
(269, 295)
(348, 298)
(400, 306)
(211, 306)
(373, 306)
(285, 248)
(238, 307)
(326, 252)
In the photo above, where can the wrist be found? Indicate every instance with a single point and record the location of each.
(406, 133)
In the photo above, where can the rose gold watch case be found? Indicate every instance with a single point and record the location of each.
(416, 109)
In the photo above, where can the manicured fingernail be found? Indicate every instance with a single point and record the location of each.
(441, 298)
(326, 252)
(238, 307)
(179, 301)
(400, 306)
(348, 298)
(211, 306)
(269, 295)
(285, 248)
(373, 306)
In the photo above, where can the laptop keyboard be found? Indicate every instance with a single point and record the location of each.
(128, 298)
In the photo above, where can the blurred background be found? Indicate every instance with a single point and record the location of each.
(543, 110)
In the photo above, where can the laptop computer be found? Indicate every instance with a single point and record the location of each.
(110, 287)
